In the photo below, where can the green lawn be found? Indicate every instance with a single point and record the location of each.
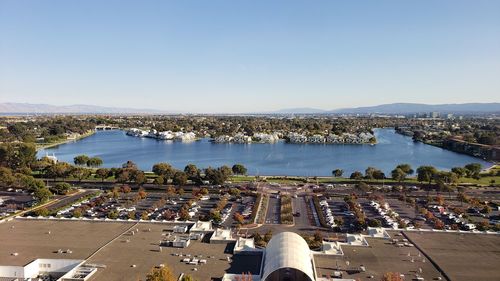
(298, 180)
(482, 180)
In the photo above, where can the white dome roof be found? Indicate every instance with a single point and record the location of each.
(288, 250)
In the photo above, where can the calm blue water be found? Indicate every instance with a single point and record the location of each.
(115, 148)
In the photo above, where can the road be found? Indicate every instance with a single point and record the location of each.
(68, 199)
(273, 211)
(56, 203)
(303, 221)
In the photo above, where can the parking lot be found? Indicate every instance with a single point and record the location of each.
(340, 209)
(158, 206)
(405, 212)
(12, 201)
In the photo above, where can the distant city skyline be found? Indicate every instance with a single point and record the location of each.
(253, 56)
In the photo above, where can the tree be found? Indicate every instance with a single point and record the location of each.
(398, 175)
(129, 165)
(369, 172)
(339, 221)
(77, 213)
(483, 226)
(103, 173)
(125, 189)
(215, 216)
(392, 276)
(268, 235)
(259, 241)
(58, 170)
(17, 155)
(426, 173)
(486, 209)
(184, 214)
(94, 162)
(6, 176)
(192, 172)
(42, 164)
(42, 212)
(163, 169)
(239, 218)
(226, 171)
(438, 224)
(356, 175)
(234, 191)
(112, 215)
(138, 177)
(446, 177)
(168, 214)
(459, 171)
(374, 173)
(81, 160)
(80, 173)
(374, 223)
(180, 178)
(122, 175)
(406, 168)
(144, 215)
(337, 173)
(318, 237)
(142, 193)
(170, 191)
(28, 182)
(363, 187)
(42, 194)
(158, 180)
(217, 176)
(439, 199)
(239, 169)
(131, 215)
(161, 274)
(473, 170)
(60, 188)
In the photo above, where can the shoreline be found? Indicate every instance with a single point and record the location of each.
(49, 145)
(494, 162)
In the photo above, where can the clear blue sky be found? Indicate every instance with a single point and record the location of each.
(240, 56)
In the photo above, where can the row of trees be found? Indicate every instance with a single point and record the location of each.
(129, 172)
(165, 172)
(424, 173)
(84, 160)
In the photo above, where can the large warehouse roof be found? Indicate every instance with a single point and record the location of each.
(288, 250)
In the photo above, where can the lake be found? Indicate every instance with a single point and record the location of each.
(115, 148)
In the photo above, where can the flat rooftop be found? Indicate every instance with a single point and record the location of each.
(380, 257)
(30, 239)
(142, 250)
(111, 245)
(462, 256)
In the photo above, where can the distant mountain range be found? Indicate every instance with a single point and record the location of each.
(393, 108)
(76, 108)
(402, 108)
(301, 110)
